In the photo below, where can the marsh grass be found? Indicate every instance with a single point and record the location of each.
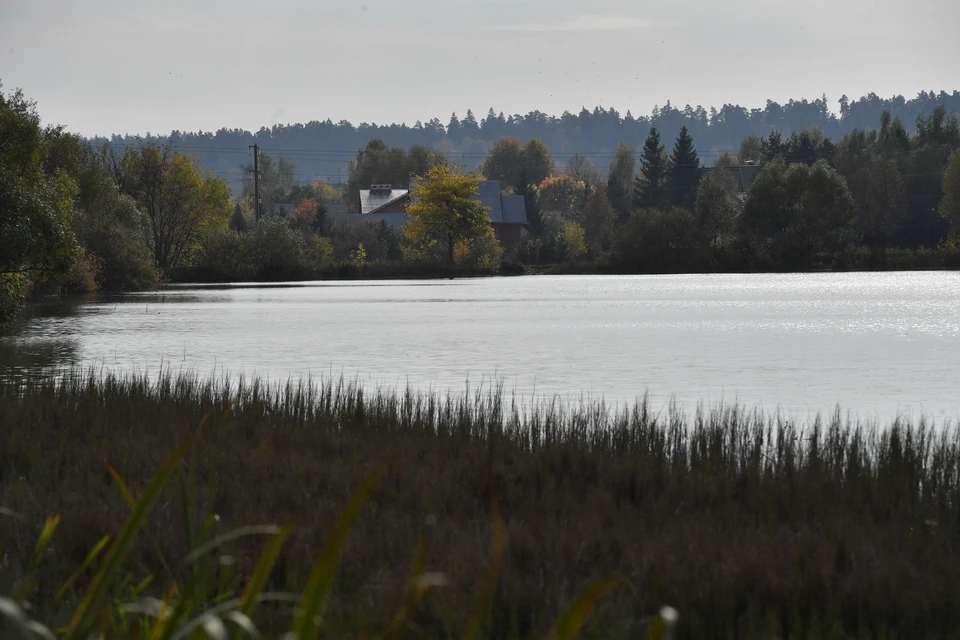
(751, 525)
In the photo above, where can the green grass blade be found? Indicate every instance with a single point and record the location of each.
(314, 600)
(261, 573)
(46, 535)
(573, 619)
(131, 501)
(121, 547)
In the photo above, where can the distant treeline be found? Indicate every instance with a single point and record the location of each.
(322, 149)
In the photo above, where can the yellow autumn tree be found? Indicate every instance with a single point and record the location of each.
(444, 209)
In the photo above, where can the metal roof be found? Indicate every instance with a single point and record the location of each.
(488, 193)
(372, 200)
(501, 209)
(514, 210)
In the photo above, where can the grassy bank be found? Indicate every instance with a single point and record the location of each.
(349, 271)
(750, 526)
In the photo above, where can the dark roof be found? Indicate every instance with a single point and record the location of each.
(488, 193)
(514, 210)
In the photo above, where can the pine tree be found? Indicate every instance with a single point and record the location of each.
(773, 147)
(684, 171)
(651, 183)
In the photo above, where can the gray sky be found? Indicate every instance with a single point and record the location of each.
(129, 66)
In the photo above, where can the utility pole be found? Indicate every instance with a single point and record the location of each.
(256, 181)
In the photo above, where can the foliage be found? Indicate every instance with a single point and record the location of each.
(279, 251)
(512, 164)
(572, 241)
(751, 149)
(582, 169)
(599, 221)
(306, 217)
(795, 214)
(564, 195)
(597, 130)
(657, 241)
(183, 205)
(36, 205)
(228, 256)
(445, 210)
(483, 251)
(620, 180)
(717, 209)
(684, 171)
(375, 163)
(950, 206)
(652, 185)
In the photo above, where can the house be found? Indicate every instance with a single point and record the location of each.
(382, 198)
(508, 214)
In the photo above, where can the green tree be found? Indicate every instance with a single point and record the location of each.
(620, 180)
(572, 241)
(36, 205)
(183, 205)
(950, 205)
(662, 241)
(504, 163)
(238, 222)
(537, 161)
(751, 149)
(446, 210)
(684, 171)
(872, 172)
(279, 251)
(562, 194)
(651, 186)
(716, 210)
(511, 164)
(795, 215)
(773, 147)
(598, 221)
(726, 171)
(378, 164)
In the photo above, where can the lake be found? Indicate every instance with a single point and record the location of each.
(877, 344)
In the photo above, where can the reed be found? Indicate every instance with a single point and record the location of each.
(750, 524)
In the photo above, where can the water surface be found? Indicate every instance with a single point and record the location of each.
(879, 344)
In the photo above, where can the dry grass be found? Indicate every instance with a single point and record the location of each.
(751, 526)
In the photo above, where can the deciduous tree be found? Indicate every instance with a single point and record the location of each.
(445, 209)
(620, 180)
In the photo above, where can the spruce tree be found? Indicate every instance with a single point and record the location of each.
(651, 183)
(684, 171)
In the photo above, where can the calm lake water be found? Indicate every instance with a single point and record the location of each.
(879, 344)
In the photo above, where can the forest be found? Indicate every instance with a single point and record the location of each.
(322, 149)
(81, 216)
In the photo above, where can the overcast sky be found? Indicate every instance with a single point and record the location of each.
(128, 66)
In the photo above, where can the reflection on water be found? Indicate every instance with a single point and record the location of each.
(879, 344)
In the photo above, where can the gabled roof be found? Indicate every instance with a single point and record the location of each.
(488, 193)
(372, 200)
(514, 210)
